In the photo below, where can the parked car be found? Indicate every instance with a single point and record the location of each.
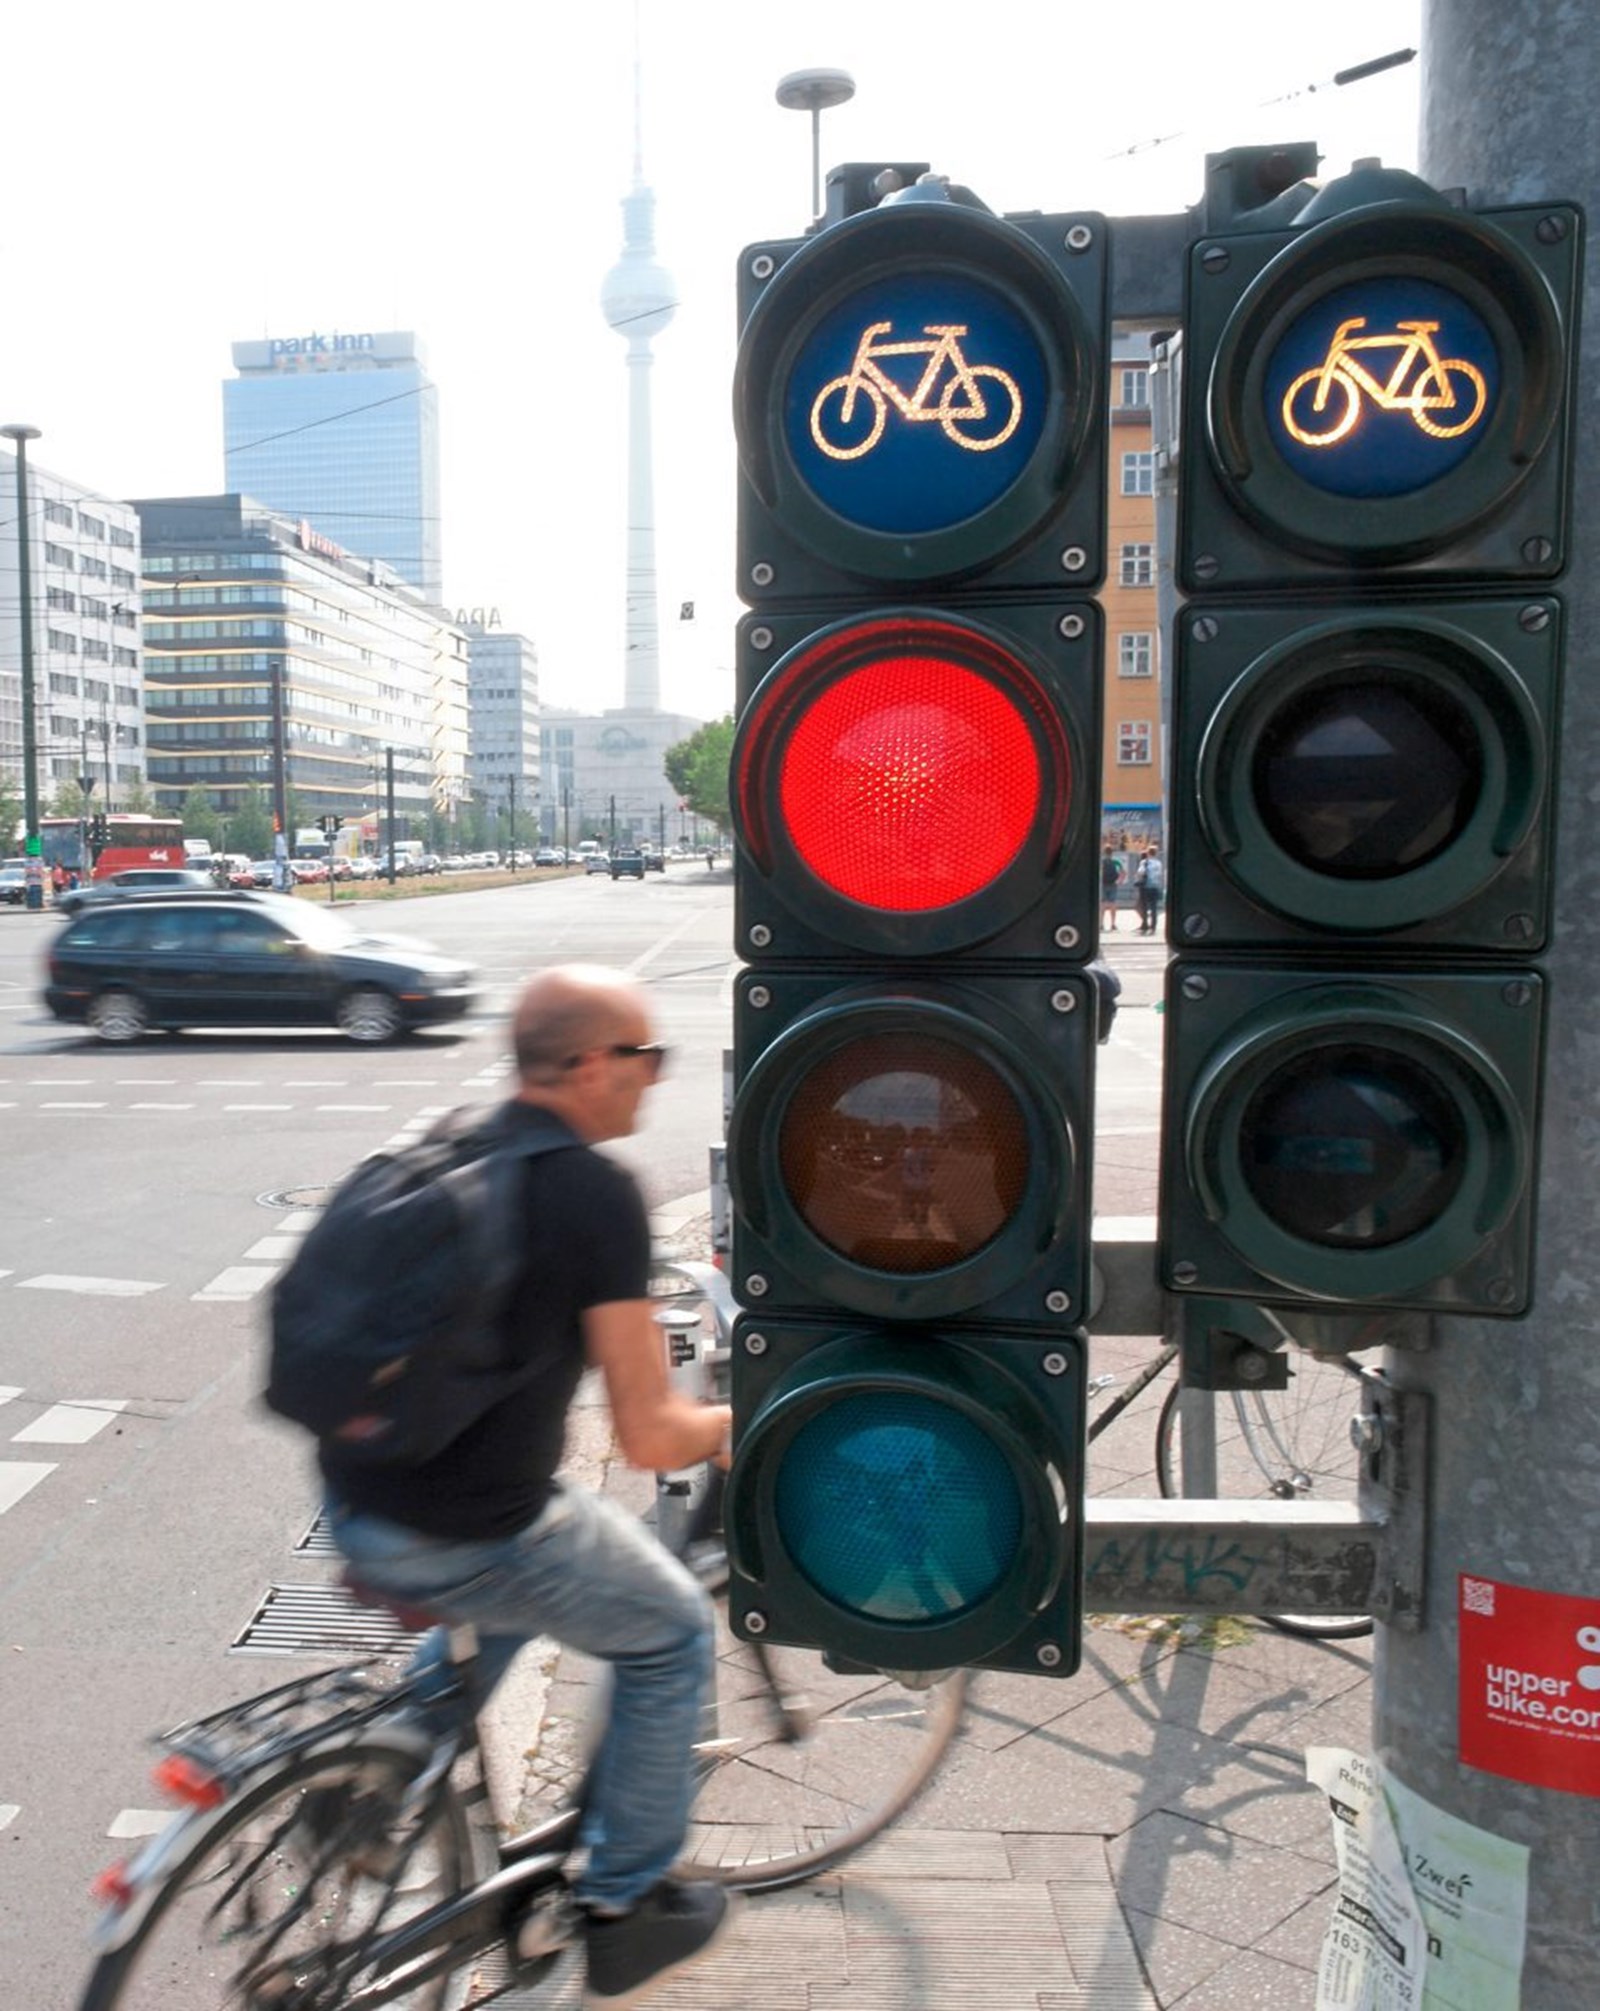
(245, 960)
(136, 880)
(627, 859)
(13, 884)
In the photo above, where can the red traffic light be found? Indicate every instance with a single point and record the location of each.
(911, 783)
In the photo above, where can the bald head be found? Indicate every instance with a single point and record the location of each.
(568, 1011)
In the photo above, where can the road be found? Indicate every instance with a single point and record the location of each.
(146, 1502)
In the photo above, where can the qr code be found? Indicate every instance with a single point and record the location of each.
(1477, 1596)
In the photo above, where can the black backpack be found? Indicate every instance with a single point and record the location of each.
(386, 1337)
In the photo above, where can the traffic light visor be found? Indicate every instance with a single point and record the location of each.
(906, 770)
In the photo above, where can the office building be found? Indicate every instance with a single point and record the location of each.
(503, 676)
(343, 430)
(265, 641)
(1131, 763)
(603, 778)
(83, 562)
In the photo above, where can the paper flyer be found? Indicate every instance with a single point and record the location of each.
(1432, 1911)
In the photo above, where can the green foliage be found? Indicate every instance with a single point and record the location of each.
(70, 801)
(200, 817)
(135, 796)
(11, 810)
(698, 769)
(250, 826)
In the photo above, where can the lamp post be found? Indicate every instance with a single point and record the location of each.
(814, 91)
(31, 846)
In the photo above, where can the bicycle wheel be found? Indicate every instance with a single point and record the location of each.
(280, 1887)
(991, 424)
(802, 1766)
(1472, 397)
(1320, 427)
(1280, 1445)
(847, 440)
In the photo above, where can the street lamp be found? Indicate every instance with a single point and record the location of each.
(814, 91)
(31, 846)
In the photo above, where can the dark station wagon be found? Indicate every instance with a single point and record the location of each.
(244, 960)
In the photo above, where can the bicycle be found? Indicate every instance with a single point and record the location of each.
(332, 1853)
(1290, 1444)
(1431, 389)
(961, 404)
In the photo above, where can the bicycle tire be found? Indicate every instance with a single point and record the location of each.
(1447, 398)
(954, 422)
(804, 1766)
(267, 1879)
(1342, 422)
(853, 448)
(1286, 1445)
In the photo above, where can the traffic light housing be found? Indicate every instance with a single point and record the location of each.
(1374, 466)
(919, 403)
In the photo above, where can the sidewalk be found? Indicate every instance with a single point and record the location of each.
(1138, 1837)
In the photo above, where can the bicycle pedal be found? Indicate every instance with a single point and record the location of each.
(550, 1924)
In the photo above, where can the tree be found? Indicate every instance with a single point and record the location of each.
(200, 816)
(698, 769)
(69, 801)
(250, 827)
(11, 811)
(136, 797)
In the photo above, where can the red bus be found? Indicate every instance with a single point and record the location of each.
(135, 840)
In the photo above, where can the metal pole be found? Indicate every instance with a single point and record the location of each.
(31, 846)
(511, 841)
(388, 802)
(280, 787)
(1508, 97)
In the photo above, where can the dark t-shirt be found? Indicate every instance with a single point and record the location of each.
(588, 1244)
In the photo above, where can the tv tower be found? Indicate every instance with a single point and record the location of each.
(637, 299)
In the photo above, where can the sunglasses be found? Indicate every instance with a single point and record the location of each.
(652, 1051)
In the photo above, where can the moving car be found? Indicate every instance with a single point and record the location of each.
(245, 960)
(627, 859)
(596, 862)
(137, 880)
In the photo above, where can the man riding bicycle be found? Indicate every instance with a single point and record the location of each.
(485, 1532)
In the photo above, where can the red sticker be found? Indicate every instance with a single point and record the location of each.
(1530, 1685)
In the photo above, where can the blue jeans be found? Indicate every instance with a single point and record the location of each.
(589, 1576)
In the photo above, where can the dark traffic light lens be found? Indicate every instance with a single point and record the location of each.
(904, 1153)
(1352, 1148)
(910, 783)
(897, 1507)
(1364, 779)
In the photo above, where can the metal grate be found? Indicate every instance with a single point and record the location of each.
(319, 1620)
(317, 1541)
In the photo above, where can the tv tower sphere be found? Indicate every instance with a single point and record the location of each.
(638, 296)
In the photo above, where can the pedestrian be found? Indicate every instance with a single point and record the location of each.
(1110, 877)
(58, 880)
(1149, 879)
(487, 1532)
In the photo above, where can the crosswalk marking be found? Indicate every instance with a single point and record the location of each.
(6, 1394)
(18, 1476)
(69, 1423)
(139, 1822)
(110, 1288)
(238, 1281)
(272, 1249)
(9, 1811)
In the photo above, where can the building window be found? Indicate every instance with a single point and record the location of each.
(58, 555)
(122, 538)
(1136, 654)
(59, 599)
(1138, 568)
(101, 651)
(92, 527)
(56, 639)
(1138, 474)
(1134, 388)
(58, 513)
(62, 686)
(1133, 743)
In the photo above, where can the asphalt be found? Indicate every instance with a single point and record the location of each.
(1136, 1837)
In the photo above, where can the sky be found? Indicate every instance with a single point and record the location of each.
(184, 176)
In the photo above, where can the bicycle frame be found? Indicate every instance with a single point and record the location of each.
(865, 368)
(1388, 397)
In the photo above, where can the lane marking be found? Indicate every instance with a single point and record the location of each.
(229, 1082)
(60, 1081)
(299, 1220)
(69, 1423)
(161, 1106)
(364, 1107)
(9, 1811)
(145, 1081)
(257, 1106)
(18, 1477)
(140, 1822)
(316, 1082)
(7, 1394)
(107, 1288)
(238, 1281)
(272, 1249)
(72, 1106)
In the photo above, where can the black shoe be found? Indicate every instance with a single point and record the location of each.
(669, 1928)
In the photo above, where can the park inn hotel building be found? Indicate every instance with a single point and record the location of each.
(261, 634)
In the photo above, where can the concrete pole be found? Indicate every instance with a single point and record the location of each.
(1509, 89)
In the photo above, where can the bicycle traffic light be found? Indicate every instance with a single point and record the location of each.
(1374, 466)
(919, 404)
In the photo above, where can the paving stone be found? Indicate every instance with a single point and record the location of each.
(1226, 1885)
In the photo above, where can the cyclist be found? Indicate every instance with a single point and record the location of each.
(486, 1532)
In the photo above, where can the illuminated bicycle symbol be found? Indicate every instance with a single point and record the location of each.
(1339, 383)
(978, 407)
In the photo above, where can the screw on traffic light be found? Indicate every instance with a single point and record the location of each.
(919, 402)
(1374, 469)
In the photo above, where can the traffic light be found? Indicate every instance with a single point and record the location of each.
(330, 824)
(1374, 467)
(920, 411)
